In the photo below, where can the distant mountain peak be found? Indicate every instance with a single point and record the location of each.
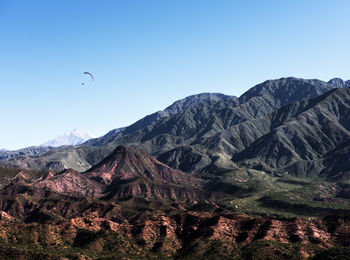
(192, 100)
(74, 137)
(339, 83)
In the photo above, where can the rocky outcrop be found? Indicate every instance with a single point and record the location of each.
(130, 172)
(124, 174)
(182, 235)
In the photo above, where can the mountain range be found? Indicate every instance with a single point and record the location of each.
(71, 138)
(197, 134)
(260, 176)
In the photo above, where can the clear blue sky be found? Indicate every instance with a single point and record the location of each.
(147, 54)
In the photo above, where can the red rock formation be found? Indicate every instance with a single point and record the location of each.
(129, 172)
(70, 182)
(169, 235)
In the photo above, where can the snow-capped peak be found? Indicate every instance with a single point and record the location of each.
(74, 137)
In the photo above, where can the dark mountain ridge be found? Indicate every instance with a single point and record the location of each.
(287, 90)
(339, 83)
(30, 151)
(201, 128)
(198, 125)
(176, 107)
(298, 137)
(173, 109)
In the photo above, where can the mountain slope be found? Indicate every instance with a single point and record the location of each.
(105, 139)
(299, 136)
(79, 158)
(128, 172)
(287, 90)
(178, 107)
(173, 109)
(29, 151)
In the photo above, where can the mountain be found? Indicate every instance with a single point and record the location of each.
(60, 158)
(125, 174)
(339, 83)
(198, 125)
(191, 139)
(74, 137)
(173, 109)
(105, 139)
(178, 107)
(129, 172)
(287, 90)
(300, 138)
(29, 151)
(82, 157)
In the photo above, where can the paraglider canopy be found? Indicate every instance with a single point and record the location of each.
(88, 73)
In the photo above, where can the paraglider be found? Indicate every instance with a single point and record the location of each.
(88, 73)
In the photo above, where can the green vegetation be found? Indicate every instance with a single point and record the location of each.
(96, 245)
(8, 173)
(258, 193)
(335, 253)
(260, 250)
